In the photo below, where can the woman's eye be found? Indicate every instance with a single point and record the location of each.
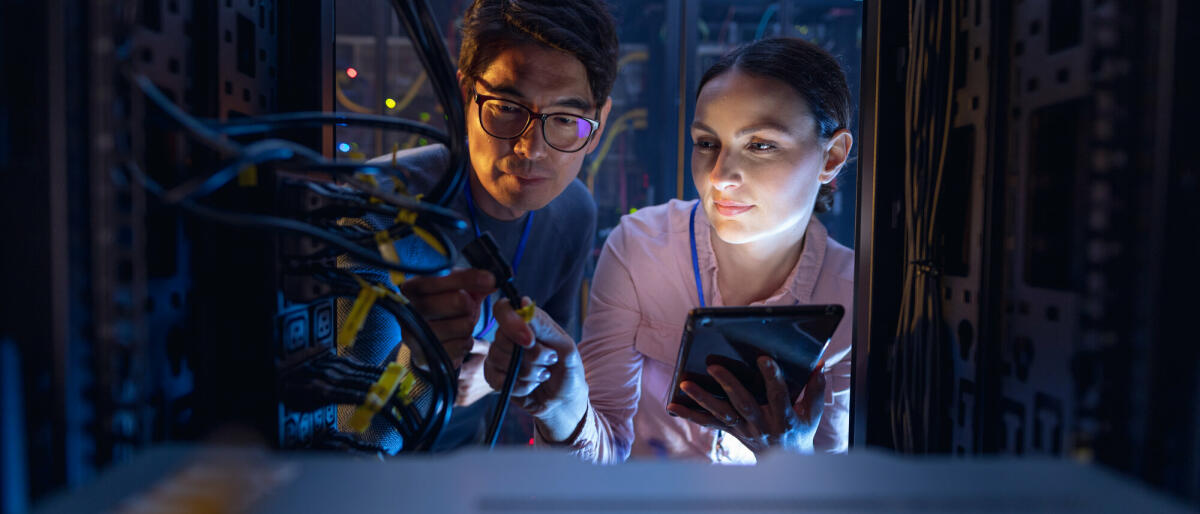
(704, 146)
(761, 147)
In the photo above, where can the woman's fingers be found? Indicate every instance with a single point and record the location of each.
(778, 402)
(722, 412)
(812, 402)
(742, 401)
(700, 418)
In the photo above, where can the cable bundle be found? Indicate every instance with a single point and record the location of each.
(919, 359)
(420, 411)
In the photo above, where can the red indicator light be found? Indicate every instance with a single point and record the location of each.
(351, 72)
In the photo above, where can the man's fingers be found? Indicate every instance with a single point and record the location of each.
(469, 280)
(447, 304)
(457, 349)
(454, 328)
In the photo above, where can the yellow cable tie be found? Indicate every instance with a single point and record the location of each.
(248, 176)
(430, 240)
(387, 250)
(526, 312)
(370, 179)
(378, 396)
(358, 314)
(406, 217)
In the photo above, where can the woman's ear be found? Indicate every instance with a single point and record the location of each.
(837, 150)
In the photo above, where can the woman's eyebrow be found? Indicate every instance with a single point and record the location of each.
(766, 125)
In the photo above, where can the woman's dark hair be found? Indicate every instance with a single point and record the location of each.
(582, 28)
(810, 70)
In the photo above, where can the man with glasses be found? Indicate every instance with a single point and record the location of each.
(535, 76)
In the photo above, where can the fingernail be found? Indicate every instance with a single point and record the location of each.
(552, 358)
(770, 364)
(485, 279)
(544, 375)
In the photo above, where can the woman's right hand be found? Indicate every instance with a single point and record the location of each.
(550, 386)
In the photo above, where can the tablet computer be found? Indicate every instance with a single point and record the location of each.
(734, 337)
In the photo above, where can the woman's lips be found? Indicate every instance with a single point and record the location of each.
(730, 209)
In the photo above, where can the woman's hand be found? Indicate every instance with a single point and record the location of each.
(550, 386)
(759, 427)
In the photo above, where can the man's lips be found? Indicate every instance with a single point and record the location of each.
(525, 180)
(727, 208)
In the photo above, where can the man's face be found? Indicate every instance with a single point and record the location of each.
(525, 173)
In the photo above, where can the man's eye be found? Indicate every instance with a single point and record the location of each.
(505, 108)
(565, 121)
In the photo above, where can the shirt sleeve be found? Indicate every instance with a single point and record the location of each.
(563, 303)
(833, 432)
(612, 365)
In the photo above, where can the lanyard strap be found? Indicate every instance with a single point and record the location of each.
(516, 261)
(695, 260)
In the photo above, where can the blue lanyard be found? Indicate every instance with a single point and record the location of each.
(516, 261)
(695, 260)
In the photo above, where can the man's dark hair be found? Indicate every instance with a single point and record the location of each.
(582, 28)
(811, 72)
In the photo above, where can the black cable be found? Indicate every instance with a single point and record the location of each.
(194, 127)
(438, 361)
(255, 153)
(269, 122)
(427, 39)
(277, 224)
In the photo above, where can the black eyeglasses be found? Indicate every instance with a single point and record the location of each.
(505, 119)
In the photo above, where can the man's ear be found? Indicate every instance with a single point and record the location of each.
(837, 151)
(464, 87)
(604, 111)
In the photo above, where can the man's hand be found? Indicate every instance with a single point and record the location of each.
(471, 384)
(450, 304)
(778, 424)
(551, 385)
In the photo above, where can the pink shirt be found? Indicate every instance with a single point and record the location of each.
(640, 297)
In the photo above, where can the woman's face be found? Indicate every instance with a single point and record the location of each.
(757, 159)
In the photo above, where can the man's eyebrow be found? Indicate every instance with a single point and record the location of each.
(574, 102)
(512, 92)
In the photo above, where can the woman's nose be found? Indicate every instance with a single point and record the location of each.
(725, 172)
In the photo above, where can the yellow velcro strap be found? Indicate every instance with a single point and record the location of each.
(410, 218)
(378, 396)
(526, 312)
(429, 240)
(370, 179)
(387, 250)
(358, 314)
(248, 176)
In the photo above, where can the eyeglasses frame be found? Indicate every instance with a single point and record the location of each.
(480, 98)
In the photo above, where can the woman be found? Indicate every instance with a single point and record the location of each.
(769, 137)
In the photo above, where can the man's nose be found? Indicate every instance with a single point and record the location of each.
(531, 145)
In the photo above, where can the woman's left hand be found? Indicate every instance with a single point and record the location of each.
(759, 427)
